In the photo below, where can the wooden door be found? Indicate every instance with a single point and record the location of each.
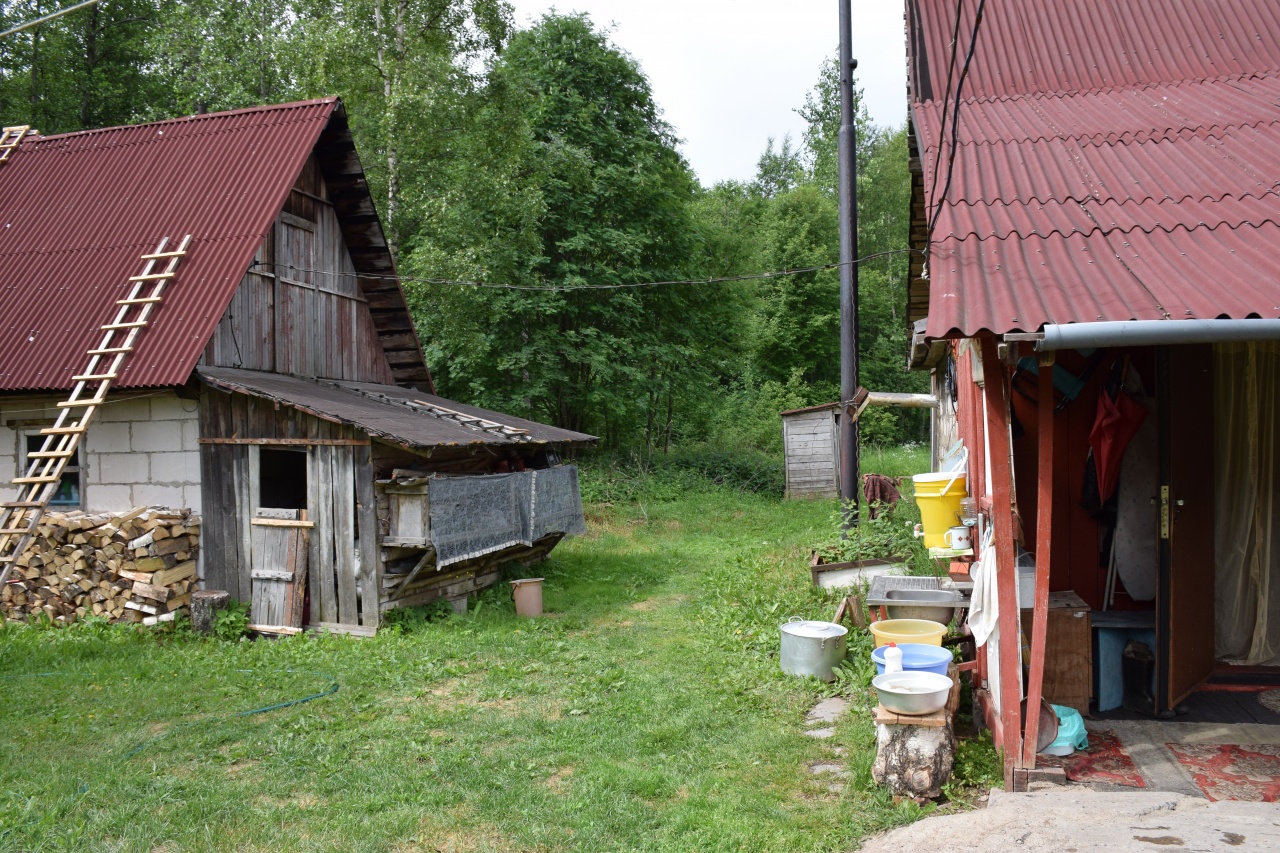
(1185, 593)
(279, 569)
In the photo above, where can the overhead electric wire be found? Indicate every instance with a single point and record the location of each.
(553, 288)
(946, 100)
(955, 119)
(49, 17)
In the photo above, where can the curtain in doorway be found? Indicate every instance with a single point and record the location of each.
(1246, 418)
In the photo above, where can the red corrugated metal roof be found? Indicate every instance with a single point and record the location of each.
(77, 210)
(1116, 161)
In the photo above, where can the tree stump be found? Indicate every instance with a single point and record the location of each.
(915, 754)
(205, 605)
(914, 761)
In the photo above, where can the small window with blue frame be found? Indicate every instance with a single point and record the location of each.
(68, 494)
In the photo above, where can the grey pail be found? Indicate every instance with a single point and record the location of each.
(812, 648)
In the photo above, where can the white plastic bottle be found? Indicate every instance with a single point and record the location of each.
(892, 658)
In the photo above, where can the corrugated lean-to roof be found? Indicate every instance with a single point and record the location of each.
(1115, 161)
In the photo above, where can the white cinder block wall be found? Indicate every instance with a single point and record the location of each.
(139, 450)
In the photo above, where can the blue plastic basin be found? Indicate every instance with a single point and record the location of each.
(917, 657)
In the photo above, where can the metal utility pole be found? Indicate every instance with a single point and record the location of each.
(848, 181)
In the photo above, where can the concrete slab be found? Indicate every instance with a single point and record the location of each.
(827, 711)
(821, 767)
(1078, 820)
(822, 733)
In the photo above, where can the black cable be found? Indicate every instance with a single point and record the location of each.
(558, 287)
(946, 100)
(955, 118)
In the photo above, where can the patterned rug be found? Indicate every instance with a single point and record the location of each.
(1229, 772)
(1104, 761)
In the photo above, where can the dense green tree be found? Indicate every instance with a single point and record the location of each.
(89, 68)
(412, 75)
(612, 208)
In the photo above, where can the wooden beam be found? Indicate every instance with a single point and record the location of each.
(280, 522)
(1010, 663)
(1044, 544)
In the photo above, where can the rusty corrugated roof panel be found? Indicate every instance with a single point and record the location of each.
(368, 406)
(1030, 46)
(1095, 180)
(77, 210)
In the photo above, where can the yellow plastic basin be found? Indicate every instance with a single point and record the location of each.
(908, 631)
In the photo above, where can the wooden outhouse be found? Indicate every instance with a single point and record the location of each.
(811, 451)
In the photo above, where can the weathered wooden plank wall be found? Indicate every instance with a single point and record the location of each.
(809, 446)
(300, 309)
(370, 574)
(340, 502)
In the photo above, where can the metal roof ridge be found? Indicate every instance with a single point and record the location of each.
(187, 119)
(1058, 94)
(441, 413)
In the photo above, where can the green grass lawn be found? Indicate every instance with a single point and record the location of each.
(645, 712)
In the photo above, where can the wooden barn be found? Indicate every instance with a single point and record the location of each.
(1095, 293)
(278, 390)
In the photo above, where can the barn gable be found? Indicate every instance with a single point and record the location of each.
(79, 209)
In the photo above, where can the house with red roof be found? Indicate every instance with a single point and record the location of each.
(1096, 205)
(279, 384)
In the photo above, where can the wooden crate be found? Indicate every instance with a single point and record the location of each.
(1068, 665)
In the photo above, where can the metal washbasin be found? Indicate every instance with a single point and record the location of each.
(936, 605)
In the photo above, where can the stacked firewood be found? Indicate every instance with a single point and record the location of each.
(139, 566)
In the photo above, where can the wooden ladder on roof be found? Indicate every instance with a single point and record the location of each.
(38, 485)
(11, 138)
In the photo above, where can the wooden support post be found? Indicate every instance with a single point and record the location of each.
(1044, 542)
(1010, 663)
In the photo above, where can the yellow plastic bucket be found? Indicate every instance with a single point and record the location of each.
(938, 495)
(908, 631)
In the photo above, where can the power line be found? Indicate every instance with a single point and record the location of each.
(946, 100)
(557, 288)
(955, 118)
(49, 17)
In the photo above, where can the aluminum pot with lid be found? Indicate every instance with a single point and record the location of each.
(812, 647)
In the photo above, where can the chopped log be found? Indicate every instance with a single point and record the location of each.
(79, 564)
(151, 591)
(205, 605)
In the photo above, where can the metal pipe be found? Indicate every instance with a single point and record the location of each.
(848, 193)
(1135, 333)
(49, 17)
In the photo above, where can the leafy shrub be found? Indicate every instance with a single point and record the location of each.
(745, 470)
(977, 768)
(889, 534)
(232, 623)
(407, 620)
(620, 479)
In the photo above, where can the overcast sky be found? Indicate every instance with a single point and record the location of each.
(728, 74)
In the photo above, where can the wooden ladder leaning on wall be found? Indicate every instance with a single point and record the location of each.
(38, 485)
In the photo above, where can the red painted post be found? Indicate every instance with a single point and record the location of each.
(994, 383)
(1044, 541)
